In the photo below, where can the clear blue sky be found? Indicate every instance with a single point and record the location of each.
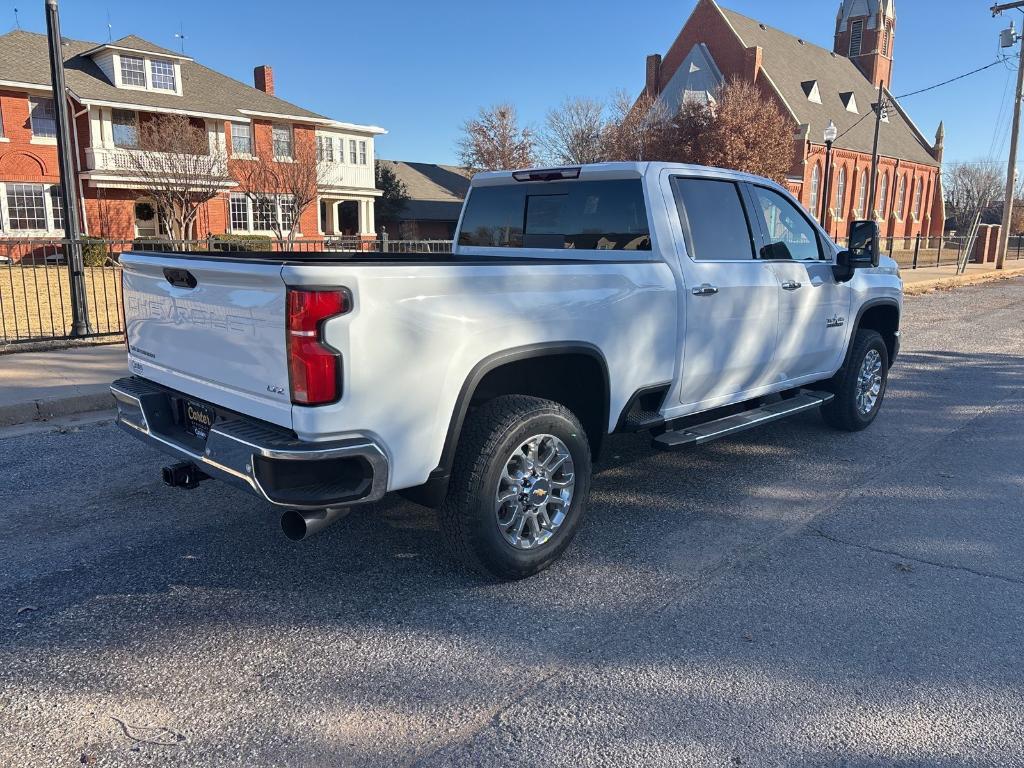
(420, 69)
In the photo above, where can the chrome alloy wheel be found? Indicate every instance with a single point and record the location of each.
(534, 492)
(869, 382)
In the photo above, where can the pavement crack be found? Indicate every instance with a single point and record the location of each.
(913, 558)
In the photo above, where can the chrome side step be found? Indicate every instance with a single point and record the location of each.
(730, 425)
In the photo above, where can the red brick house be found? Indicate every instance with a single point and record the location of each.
(112, 86)
(813, 85)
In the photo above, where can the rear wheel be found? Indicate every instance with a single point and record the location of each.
(519, 486)
(860, 384)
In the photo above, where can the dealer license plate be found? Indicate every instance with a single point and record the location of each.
(199, 417)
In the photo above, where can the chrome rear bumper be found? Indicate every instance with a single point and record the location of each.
(250, 454)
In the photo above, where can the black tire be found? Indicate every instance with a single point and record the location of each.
(489, 437)
(842, 412)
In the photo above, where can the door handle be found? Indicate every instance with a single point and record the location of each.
(792, 285)
(704, 290)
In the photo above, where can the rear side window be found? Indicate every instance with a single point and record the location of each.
(580, 215)
(715, 226)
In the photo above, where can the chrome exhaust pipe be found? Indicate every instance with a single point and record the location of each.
(298, 525)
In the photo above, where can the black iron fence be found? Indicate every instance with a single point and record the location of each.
(35, 295)
(923, 252)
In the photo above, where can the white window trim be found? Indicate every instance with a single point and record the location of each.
(252, 141)
(5, 228)
(249, 217)
(273, 148)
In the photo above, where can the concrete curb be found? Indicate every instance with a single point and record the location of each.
(52, 408)
(949, 283)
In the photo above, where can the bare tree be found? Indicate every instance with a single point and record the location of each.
(180, 170)
(280, 190)
(494, 141)
(973, 188)
(740, 129)
(573, 133)
(637, 129)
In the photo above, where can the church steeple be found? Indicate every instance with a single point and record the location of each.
(865, 33)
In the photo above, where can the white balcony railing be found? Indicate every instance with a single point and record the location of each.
(348, 176)
(128, 161)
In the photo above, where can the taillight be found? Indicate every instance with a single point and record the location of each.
(314, 369)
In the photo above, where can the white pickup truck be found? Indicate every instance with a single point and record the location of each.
(688, 302)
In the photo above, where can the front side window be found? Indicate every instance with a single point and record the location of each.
(125, 129)
(883, 195)
(901, 197)
(790, 235)
(162, 74)
(43, 117)
(362, 153)
(282, 139)
(918, 191)
(715, 226)
(581, 215)
(26, 206)
(239, 212)
(352, 151)
(241, 139)
(133, 71)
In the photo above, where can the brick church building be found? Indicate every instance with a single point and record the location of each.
(813, 85)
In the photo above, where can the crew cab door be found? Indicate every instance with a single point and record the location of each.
(813, 305)
(731, 300)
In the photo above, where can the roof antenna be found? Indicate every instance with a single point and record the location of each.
(110, 28)
(180, 35)
(17, 21)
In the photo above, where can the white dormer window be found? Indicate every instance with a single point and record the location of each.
(162, 74)
(133, 71)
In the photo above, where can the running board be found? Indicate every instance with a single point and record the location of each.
(730, 425)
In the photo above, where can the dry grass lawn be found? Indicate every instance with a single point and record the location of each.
(35, 301)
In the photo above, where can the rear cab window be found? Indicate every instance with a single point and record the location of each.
(600, 215)
(712, 216)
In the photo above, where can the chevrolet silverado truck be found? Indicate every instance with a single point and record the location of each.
(687, 302)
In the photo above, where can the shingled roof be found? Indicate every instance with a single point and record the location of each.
(795, 66)
(435, 192)
(23, 59)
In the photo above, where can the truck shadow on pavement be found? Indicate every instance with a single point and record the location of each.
(827, 583)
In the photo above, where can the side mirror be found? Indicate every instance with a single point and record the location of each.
(863, 250)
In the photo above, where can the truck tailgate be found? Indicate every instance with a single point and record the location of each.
(209, 328)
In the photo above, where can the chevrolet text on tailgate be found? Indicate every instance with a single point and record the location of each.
(691, 303)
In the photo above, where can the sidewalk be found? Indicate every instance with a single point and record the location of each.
(918, 281)
(37, 386)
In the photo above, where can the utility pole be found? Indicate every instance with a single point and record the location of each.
(879, 112)
(72, 229)
(1011, 166)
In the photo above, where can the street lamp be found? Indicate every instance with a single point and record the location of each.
(831, 134)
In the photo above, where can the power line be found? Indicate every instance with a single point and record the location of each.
(953, 79)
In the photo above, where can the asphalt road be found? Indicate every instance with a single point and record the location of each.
(791, 596)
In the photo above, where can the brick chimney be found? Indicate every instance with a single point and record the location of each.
(263, 78)
(653, 75)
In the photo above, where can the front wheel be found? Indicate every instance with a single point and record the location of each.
(519, 486)
(860, 384)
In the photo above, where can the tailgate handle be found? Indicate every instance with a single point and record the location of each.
(182, 278)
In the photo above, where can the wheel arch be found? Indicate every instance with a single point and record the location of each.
(883, 316)
(554, 371)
